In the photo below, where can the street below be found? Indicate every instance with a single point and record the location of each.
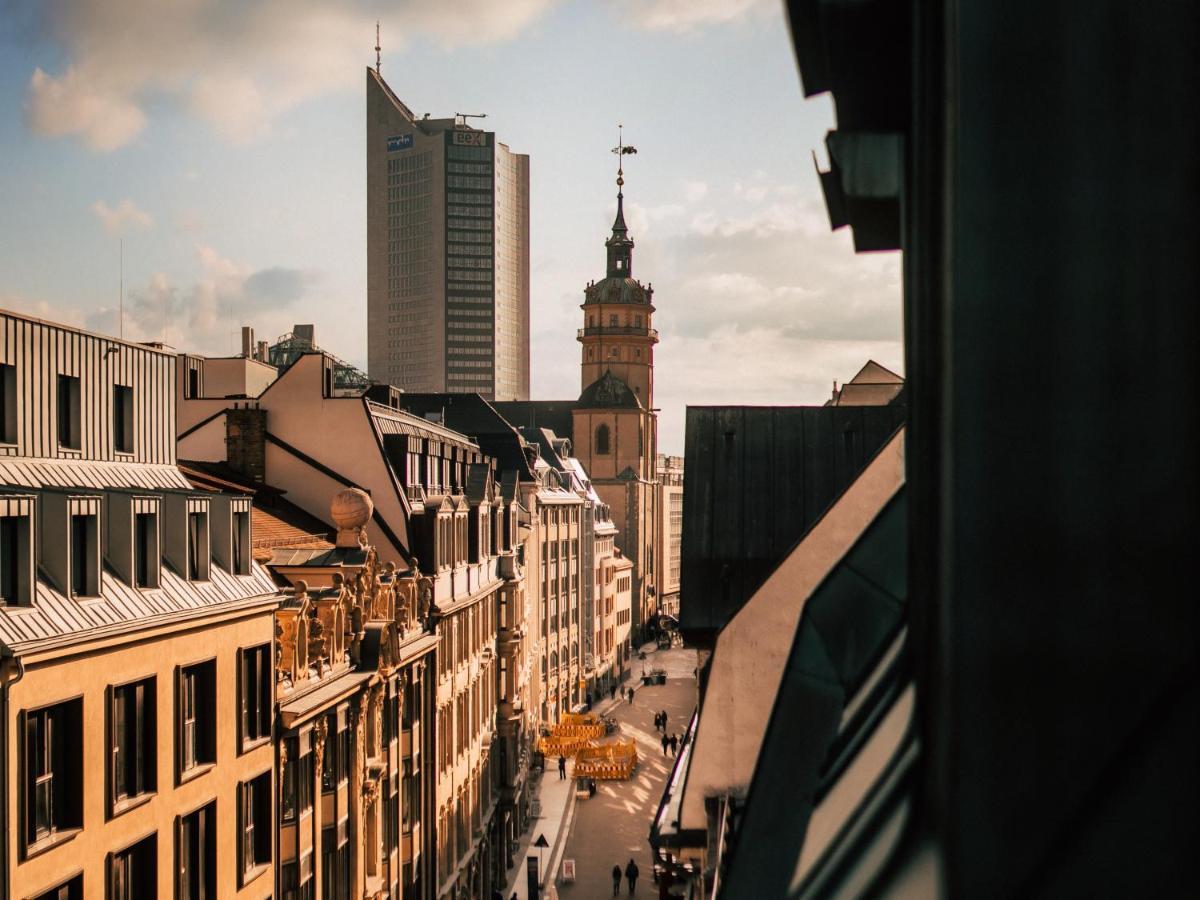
(613, 827)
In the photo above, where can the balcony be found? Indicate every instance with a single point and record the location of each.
(607, 330)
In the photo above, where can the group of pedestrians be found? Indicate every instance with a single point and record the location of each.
(631, 875)
(669, 741)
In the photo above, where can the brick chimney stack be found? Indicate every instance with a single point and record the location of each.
(246, 441)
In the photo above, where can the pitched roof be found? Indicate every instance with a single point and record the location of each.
(874, 373)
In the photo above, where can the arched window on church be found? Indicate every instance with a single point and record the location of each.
(602, 440)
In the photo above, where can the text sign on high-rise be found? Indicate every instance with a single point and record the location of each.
(399, 142)
(471, 138)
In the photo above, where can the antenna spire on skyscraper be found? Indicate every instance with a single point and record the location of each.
(378, 49)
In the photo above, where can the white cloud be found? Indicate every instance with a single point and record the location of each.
(686, 15)
(236, 64)
(204, 315)
(122, 218)
(72, 104)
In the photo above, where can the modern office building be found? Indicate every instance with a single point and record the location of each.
(447, 253)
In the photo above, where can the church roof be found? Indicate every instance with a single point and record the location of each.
(615, 289)
(606, 392)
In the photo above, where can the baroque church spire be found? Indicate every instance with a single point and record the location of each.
(620, 245)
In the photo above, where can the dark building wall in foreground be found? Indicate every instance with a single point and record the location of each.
(757, 479)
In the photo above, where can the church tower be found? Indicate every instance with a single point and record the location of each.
(615, 424)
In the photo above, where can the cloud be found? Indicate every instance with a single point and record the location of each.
(72, 104)
(122, 218)
(237, 65)
(203, 315)
(41, 309)
(686, 15)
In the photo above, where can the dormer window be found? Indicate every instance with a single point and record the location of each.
(229, 525)
(16, 551)
(197, 546)
(132, 538)
(84, 554)
(186, 539)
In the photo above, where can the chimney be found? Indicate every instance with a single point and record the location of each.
(246, 442)
(263, 353)
(247, 341)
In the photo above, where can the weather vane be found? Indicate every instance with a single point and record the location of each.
(621, 149)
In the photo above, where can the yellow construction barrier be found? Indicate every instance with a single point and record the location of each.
(575, 730)
(562, 745)
(607, 761)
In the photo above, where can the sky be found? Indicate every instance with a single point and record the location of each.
(222, 143)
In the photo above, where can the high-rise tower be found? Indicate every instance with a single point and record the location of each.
(614, 423)
(447, 253)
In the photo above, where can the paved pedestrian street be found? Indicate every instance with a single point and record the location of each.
(613, 827)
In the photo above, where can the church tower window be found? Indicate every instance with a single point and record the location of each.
(602, 440)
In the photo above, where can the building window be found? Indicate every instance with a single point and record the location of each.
(8, 404)
(134, 742)
(53, 770)
(254, 810)
(612, 321)
(197, 716)
(297, 782)
(196, 851)
(84, 540)
(15, 587)
(296, 881)
(241, 543)
(122, 419)
(256, 677)
(602, 440)
(145, 542)
(197, 546)
(193, 383)
(69, 418)
(71, 889)
(133, 872)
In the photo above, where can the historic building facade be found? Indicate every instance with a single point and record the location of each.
(670, 530)
(136, 638)
(437, 509)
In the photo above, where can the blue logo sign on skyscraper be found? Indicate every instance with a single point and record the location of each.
(400, 142)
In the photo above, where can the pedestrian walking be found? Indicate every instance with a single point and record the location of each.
(591, 788)
(612, 691)
(674, 745)
(589, 702)
(631, 695)
(665, 743)
(631, 874)
(616, 873)
(562, 767)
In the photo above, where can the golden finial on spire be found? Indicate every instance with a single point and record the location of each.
(378, 49)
